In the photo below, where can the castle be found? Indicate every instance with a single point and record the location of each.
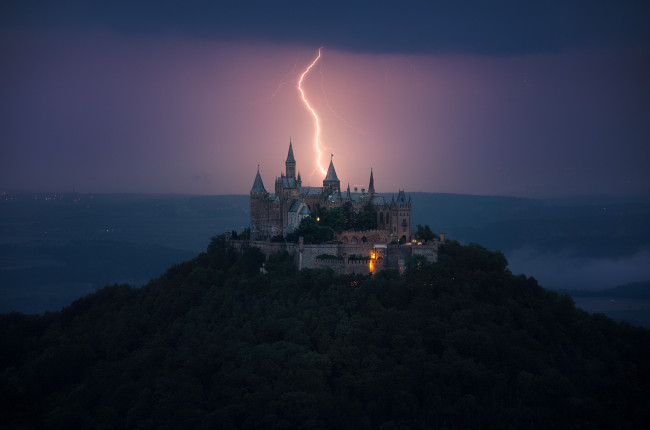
(388, 246)
(281, 212)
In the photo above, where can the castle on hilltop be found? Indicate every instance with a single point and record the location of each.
(280, 213)
(387, 245)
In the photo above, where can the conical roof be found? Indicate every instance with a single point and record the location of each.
(371, 185)
(331, 173)
(290, 155)
(258, 185)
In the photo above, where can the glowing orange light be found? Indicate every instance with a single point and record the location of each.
(313, 112)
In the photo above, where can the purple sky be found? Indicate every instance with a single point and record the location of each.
(539, 100)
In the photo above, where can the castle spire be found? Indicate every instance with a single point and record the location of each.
(371, 185)
(290, 164)
(331, 173)
(258, 185)
(331, 181)
(290, 155)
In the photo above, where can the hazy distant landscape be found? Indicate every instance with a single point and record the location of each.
(55, 248)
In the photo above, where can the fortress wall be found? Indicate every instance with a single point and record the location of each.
(338, 266)
(359, 249)
(310, 252)
(396, 256)
(305, 256)
(356, 237)
(430, 252)
(357, 267)
(267, 248)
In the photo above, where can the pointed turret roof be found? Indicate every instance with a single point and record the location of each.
(290, 155)
(371, 185)
(258, 185)
(401, 197)
(331, 173)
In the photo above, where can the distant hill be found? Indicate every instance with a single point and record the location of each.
(591, 227)
(213, 343)
(589, 243)
(634, 290)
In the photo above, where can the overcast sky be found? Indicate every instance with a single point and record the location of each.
(508, 98)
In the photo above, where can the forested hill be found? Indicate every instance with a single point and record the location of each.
(213, 343)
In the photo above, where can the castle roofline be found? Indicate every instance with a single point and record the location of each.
(290, 158)
(331, 173)
(258, 185)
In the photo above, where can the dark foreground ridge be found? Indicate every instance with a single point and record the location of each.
(214, 343)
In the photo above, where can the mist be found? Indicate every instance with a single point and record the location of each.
(567, 269)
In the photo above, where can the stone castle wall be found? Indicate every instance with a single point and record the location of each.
(306, 255)
(372, 236)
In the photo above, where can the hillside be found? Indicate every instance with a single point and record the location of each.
(215, 344)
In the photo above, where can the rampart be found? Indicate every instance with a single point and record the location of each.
(345, 258)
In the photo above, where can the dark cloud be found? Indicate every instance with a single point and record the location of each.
(413, 26)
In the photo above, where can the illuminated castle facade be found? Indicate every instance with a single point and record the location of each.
(279, 213)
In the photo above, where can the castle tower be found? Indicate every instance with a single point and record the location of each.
(258, 185)
(331, 181)
(371, 184)
(290, 164)
(401, 216)
(259, 207)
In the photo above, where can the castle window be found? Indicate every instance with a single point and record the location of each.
(381, 217)
(387, 218)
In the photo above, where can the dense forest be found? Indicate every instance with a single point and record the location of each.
(214, 343)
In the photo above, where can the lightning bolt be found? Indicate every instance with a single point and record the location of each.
(313, 112)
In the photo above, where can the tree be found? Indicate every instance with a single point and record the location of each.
(416, 263)
(425, 233)
(350, 216)
(366, 219)
(311, 231)
(246, 234)
(280, 263)
(277, 238)
(333, 218)
(250, 261)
